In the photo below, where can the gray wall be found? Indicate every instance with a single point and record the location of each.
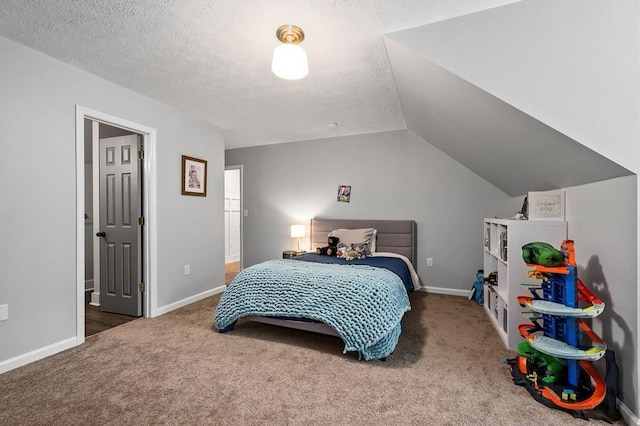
(393, 175)
(37, 169)
(602, 220)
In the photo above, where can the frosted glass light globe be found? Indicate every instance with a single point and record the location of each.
(290, 62)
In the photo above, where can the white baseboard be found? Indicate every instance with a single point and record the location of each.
(441, 290)
(189, 300)
(37, 354)
(230, 259)
(627, 415)
(54, 348)
(95, 299)
(88, 285)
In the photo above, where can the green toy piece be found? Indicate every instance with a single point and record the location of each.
(553, 366)
(539, 253)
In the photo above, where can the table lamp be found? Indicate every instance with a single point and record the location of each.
(297, 231)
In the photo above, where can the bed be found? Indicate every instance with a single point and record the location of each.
(361, 301)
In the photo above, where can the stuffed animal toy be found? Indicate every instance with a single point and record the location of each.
(356, 251)
(331, 249)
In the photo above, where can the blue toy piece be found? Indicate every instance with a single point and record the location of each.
(477, 290)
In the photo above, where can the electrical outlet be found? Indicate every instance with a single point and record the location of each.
(429, 261)
(4, 312)
(187, 269)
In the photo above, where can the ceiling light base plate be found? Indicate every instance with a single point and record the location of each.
(290, 34)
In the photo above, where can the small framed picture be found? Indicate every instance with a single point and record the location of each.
(194, 176)
(546, 205)
(344, 193)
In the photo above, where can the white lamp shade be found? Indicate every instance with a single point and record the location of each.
(297, 231)
(290, 62)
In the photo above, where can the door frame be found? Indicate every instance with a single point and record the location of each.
(149, 207)
(239, 168)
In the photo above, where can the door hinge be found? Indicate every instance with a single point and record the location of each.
(141, 220)
(141, 287)
(141, 154)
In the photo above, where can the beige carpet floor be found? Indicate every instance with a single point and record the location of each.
(176, 369)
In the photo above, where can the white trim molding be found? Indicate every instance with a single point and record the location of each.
(149, 202)
(189, 300)
(627, 415)
(37, 354)
(441, 290)
(95, 298)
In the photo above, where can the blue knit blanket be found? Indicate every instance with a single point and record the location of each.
(362, 303)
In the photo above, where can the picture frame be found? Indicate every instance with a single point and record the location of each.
(546, 205)
(194, 176)
(344, 193)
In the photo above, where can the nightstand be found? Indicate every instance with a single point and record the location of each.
(288, 254)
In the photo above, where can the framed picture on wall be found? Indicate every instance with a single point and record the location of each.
(344, 193)
(194, 176)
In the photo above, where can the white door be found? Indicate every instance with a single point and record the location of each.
(232, 214)
(232, 229)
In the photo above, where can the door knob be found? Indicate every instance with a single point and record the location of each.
(101, 234)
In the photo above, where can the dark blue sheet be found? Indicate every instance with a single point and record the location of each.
(393, 264)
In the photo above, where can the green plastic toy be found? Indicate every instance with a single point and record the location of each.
(539, 253)
(553, 366)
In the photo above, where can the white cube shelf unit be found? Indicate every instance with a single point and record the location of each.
(503, 241)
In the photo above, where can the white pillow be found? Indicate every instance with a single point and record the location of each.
(374, 237)
(356, 236)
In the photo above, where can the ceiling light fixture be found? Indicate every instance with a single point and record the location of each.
(289, 58)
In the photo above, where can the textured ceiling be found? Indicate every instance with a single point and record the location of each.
(212, 58)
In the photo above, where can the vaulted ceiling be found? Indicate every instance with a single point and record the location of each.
(519, 93)
(370, 71)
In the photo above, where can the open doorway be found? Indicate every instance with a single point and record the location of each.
(113, 200)
(147, 247)
(233, 214)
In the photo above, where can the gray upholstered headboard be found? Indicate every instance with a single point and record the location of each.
(396, 236)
